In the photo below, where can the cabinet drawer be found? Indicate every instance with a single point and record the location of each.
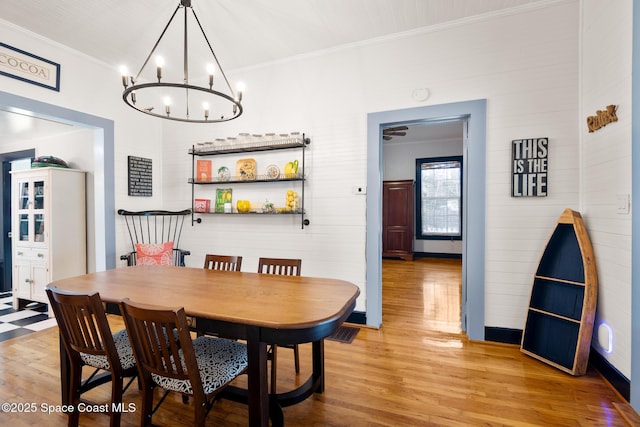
(32, 254)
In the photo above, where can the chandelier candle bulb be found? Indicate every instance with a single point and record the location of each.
(210, 70)
(240, 87)
(125, 78)
(159, 64)
(167, 105)
(205, 105)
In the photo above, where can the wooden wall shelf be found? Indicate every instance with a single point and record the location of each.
(562, 309)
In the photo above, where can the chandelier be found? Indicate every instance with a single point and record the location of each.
(174, 96)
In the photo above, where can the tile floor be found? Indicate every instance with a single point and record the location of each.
(17, 323)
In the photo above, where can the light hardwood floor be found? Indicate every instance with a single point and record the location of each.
(417, 370)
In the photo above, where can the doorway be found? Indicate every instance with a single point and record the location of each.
(474, 113)
(427, 242)
(102, 219)
(6, 259)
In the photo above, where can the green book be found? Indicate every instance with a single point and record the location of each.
(223, 195)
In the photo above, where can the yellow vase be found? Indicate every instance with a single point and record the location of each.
(243, 206)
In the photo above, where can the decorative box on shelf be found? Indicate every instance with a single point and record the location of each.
(202, 205)
(203, 174)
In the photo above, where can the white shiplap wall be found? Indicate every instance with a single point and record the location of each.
(606, 167)
(525, 65)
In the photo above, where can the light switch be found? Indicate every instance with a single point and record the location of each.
(622, 203)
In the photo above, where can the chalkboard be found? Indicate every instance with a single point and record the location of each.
(140, 176)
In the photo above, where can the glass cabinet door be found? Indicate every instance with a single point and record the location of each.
(38, 194)
(23, 200)
(31, 215)
(38, 227)
(23, 220)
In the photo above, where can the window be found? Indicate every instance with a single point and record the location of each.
(439, 196)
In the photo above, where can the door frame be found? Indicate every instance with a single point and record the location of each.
(473, 251)
(103, 152)
(5, 161)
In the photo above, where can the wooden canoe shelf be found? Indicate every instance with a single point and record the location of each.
(563, 299)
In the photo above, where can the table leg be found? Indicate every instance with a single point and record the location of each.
(257, 379)
(318, 364)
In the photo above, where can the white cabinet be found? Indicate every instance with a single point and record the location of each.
(48, 214)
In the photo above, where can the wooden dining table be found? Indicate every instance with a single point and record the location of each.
(259, 308)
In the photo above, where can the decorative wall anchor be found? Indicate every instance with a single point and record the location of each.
(602, 118)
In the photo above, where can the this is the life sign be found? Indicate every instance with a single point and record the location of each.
(529, 167)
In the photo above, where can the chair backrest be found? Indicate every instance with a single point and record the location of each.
(83, 326)
(282, 266)
(155, 227)
(223, 262)
(159, 335)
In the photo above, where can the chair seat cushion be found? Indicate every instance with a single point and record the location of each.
(125, 353)
(219, 360)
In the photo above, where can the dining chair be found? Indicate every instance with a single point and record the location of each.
(217, 262)
(155, 237)
(222, 262)
(284, 267)
(88, 341)
(161, 337)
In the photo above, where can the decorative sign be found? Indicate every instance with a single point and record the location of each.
(140, 176)
(529, 173)
(602, 118)
(21, 65)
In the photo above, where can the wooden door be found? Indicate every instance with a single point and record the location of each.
(397, 219)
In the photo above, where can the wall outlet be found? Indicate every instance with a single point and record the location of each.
(359, 190)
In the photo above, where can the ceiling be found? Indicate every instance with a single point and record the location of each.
(242, 33)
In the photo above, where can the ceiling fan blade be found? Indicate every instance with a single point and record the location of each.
(394, 129)
(395, 133)
(386, 138)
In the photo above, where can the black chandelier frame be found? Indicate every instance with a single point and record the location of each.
(129, 94)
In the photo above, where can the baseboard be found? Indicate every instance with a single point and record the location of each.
(503, 335)
(357, 317)
(436, 255)
(618, 381)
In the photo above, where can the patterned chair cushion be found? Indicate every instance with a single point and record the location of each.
(125, 353)
(219, 361)
(154, 253)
